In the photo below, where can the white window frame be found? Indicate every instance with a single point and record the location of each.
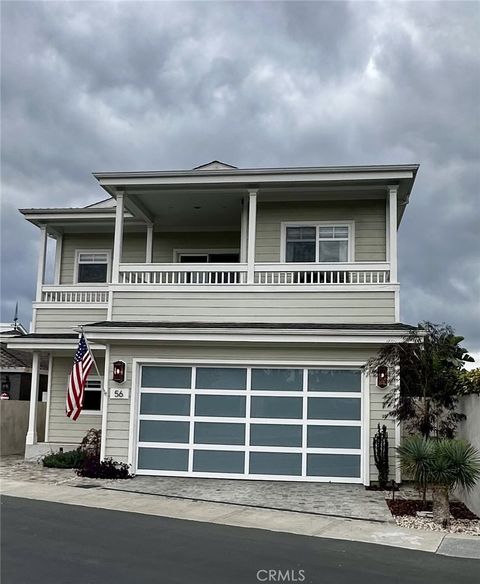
(317, 224)
(363, 423)
(200, 252)
(108, 252)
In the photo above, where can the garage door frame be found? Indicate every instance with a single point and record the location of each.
(333, 364)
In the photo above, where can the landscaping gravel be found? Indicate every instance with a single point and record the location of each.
(463, 526)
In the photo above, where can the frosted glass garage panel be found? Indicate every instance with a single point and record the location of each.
(228, 406)
(219, 433)
(162, 459)
(276, 463)
(169, 377)
(276, 407)
(333, 437)
(333, 465)
(221, 378)
(334, 408)
(277, 379)
(334, 380)
(275, 435)
(165, 404)
(222, 461)
(159, 431)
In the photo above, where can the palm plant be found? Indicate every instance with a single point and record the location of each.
(441, 465)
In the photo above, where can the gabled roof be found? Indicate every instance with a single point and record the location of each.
(215, 165)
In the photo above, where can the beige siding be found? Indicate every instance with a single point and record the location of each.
(119, 410)
(134, 245)
(64, 319)
(368, 215)
(61, 428)
(319, 307)
(164, 243)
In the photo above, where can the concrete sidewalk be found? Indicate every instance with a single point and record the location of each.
(244, 516)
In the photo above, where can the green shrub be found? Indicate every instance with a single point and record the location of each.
(70, 459)
(94, 468)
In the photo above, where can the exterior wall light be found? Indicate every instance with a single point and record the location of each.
(382, 376)
(119, 368)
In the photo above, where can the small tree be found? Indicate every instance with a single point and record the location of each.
(441, 465)
(428, 366)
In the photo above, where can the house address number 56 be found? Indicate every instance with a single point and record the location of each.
(119, 393)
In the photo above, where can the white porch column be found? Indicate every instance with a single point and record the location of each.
(32, 417)
(58, 259)
(392, 231)
(118, 238)
(252, 230)
(41, 261)
(243, 231)
(149, 244)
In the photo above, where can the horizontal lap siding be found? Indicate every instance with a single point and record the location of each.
(368, 215)
(317, 307)
(74, 241)
(61, 428)
(64, 320)
(119, 410)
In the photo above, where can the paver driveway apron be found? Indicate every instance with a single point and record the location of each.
(284, 423)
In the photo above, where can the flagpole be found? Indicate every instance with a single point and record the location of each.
(93, 357)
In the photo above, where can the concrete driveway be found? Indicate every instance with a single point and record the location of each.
(351, 501)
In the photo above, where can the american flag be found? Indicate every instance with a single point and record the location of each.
(82, 363)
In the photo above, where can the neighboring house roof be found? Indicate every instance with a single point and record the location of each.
(12, 360)
(12, 329)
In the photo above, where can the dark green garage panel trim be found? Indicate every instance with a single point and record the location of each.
(276, 463)
(219, 433)
(275, 435)
(168, 377)
(334, 408)
(162, 459)
(222, 461)
(333, 465)
(333, 436)
(165, 404)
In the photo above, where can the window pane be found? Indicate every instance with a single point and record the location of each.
(92, 272)
(305, 233)
(169, 377)
(334, 408)
(167, 404)
(326, 232)
(223, 258)
(300, 251)
(162, 459)
(277, 379)
(94, 383)
(221, 378)
(92, 400)
(334, 380)
(333, 465)
(276, 463)
(333, 437)
(157, 431)
(193, 259)
(230, 406)
(218, 461)
(275, 435)
(333, 251)
(276, 407)
(218, 433)
(341, 232)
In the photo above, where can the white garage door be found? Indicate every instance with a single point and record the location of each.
(255, 422)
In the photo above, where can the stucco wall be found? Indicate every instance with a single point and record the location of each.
(14, 425)
(470, 430)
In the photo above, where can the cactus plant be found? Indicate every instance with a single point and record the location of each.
(380, 453)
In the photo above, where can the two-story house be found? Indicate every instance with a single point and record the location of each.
(239, 305)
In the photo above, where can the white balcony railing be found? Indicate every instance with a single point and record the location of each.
(264, 274)
(183, 274)
(74, 295)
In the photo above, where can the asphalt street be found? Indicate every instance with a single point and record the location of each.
(50, 543)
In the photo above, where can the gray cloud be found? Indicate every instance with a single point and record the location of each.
(135, 85)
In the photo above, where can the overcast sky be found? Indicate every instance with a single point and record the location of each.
(132, 86)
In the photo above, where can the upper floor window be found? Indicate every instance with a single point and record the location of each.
(321, 242)
(92, 396)
(92, 266)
